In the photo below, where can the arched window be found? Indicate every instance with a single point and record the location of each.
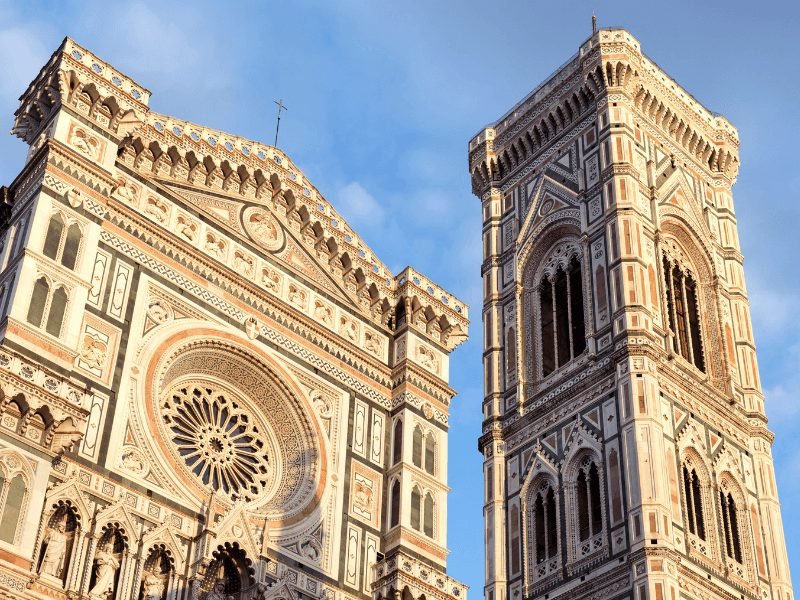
(423, 450)
(70, 254)
(416, 447)
(41, 291)
(683, 312)
(52, 240)
(416, 508)
(397, 444)
(394, 500)
(428, 512)
(55, 316)
(562, 327)
(430, 453)
(730, 524)
(693, 494)
(60, 247)
(48, 306)
(545, 525)
(423, 512)
(589, 502)
(12, 509)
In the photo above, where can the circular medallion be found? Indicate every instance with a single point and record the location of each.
(263, 228)
(229, 423)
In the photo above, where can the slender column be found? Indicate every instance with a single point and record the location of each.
(569, 315)
(78, 545)
(87, 570)
(686, 319)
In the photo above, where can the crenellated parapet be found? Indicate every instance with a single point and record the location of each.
(609, 64)
(76, 79)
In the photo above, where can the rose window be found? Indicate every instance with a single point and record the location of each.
(218, 441)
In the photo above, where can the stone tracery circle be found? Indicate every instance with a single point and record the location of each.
(229, 423)
(221, 444)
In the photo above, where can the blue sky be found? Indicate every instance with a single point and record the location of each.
(383, 97)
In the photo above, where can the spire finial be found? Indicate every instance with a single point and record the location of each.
(594, 23)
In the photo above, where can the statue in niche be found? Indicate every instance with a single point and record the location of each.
(218, 593)
(55, 552)
(106, 565)
(152, 587)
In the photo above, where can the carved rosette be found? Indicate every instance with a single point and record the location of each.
(228, 422)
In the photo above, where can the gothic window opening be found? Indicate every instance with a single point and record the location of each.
(428, 511)
(683, 313)
(430, 453)
(48, 306)
(562, 324)
(394, 500)
(416, 447)
(423, 511)
(730, 525)
(62, 243)
(545, 524)
(416, 508)
(589, 501)
(693, 494)
(14, 492)
(423, 450)
(397, 442)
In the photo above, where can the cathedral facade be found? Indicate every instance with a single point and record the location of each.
(626, 449)
(210, 387)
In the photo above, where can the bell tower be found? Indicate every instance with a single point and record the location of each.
(626, 449)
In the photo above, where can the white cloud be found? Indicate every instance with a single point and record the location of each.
(361, 210)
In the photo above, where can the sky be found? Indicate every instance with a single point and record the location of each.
(382, 99)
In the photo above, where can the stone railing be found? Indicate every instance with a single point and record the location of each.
(394, 573)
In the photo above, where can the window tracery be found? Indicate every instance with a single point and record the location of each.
(697, 505)
(423, 511)
(543, 529)
(682, 306)
(62, 241)
(423, 450)
(217, 440)
(48, 306)
(560, 311)
(587, 507)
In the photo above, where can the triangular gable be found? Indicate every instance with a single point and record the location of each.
(118, 513)
(235, 526)
(681, 197)
(549, 197)
(580, 439)
(165, 534)
(274, 235)
(224, 211)
(540, 464)
(71, 494)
